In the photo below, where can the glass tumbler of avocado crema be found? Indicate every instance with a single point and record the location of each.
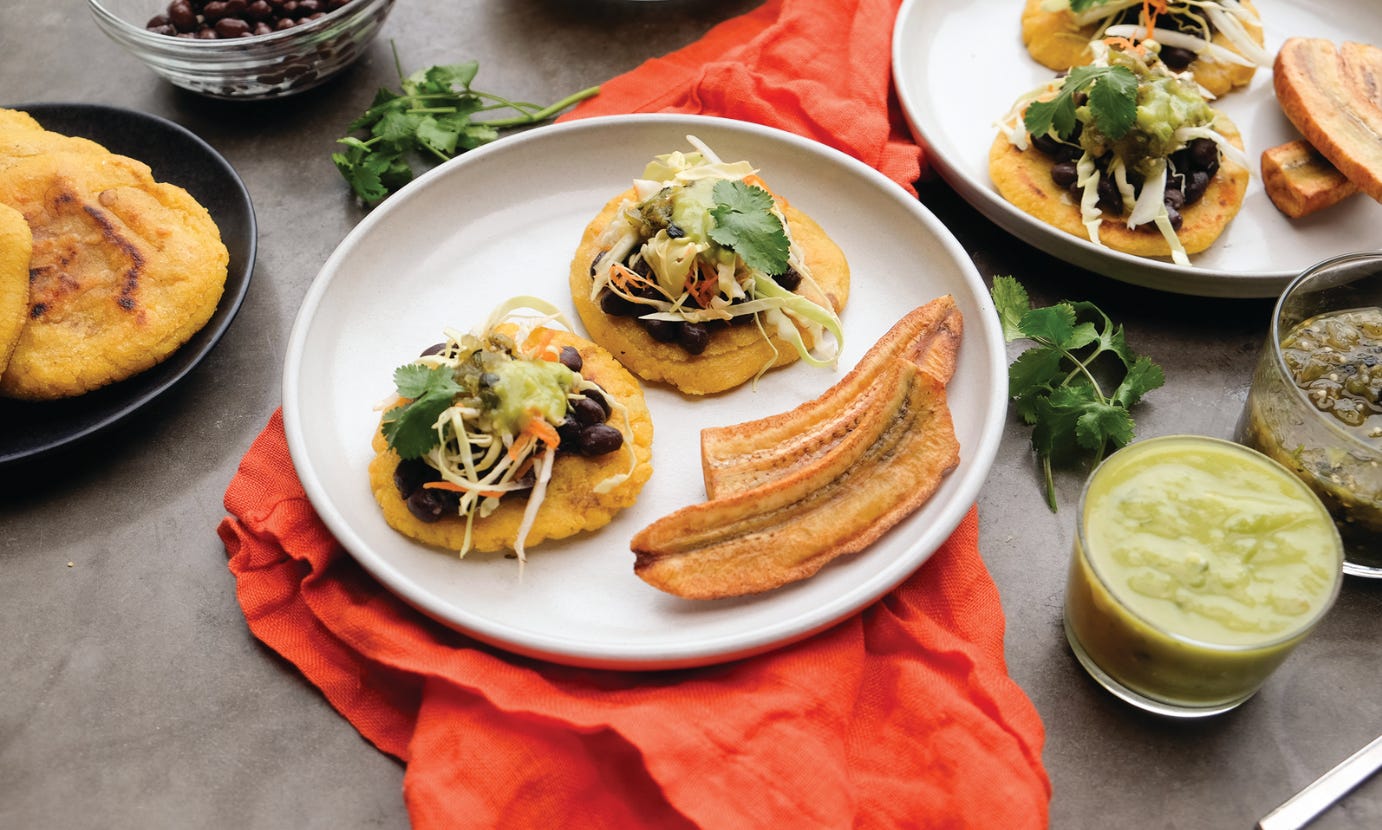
(1314, 404)
(1199, 565)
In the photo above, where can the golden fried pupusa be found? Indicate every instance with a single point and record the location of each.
(1023, 177)
(734, 354)
(571, 504)
(16, 246)
(1056, 41)
(22, 136)
(124, 270)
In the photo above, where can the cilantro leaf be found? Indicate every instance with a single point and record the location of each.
(408, 428)
(1112, 102)
(1011, 302)
(431, 116)
(1057, 385)
(745, 223)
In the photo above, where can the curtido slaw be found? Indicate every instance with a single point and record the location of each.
(1205, 17)
(679, 224)
(495, 430)
(1168, 111)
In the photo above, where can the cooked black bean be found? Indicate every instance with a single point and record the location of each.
(201, 19)
(488, 379)
(1046, 144)
(587, 412)
(1203, 153)
(412, 473)
(1110, 198)
(663, 331)
(788, 279)
(693, 337)
(430, 504)
(1176, 58)
(569, 431)
(1064, 174)
(435, 348)
(1173, 198)
(600, 439)
(596, 396)
(617, 306)
(1195, 185)
(674, 231)
(232, 27)
(571, 358)
(1176, 219)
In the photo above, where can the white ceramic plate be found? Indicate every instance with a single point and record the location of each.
(504, 220)
(959, 67)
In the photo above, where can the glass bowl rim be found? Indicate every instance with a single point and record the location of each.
(1295, 633)
(1275, 335)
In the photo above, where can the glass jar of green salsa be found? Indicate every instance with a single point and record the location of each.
(1199, 565)
(1314, 401)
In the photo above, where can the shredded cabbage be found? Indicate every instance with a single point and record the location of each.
(674, 261)
(480, 455)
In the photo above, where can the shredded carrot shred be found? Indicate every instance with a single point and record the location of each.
(520, 445)
(702, 283)
(538, 427)
(444, 485)
(626, 278)
(537, 343)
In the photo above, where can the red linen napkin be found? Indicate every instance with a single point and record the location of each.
(901, 716)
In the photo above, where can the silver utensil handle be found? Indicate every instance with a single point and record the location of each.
(1301, 808)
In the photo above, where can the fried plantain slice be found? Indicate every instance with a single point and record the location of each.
(1334, 97)
(892, 460)
(742, 456)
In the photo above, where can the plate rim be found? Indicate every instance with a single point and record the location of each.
(709, 650)
(1147, 272)
(227, 308)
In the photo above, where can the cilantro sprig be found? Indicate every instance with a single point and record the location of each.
(1056, 386)
(433, 116)
(1112, 102)
(745, 223)
(409, 428)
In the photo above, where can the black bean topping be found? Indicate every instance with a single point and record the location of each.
(600, 439)
(569, 431)
(571, 358)
(788, 279)
(1176, 219)
(663, 331)
(693, 337)
(1174, 199)
(674, 231)
(616, 306)
(596, 396)
(587, 412)
(1176, 58)
(412, 473)
(430, 504)
(435, 348)
(1064, 174)
(1203, 153)
(1195, 186)
(1110, 198)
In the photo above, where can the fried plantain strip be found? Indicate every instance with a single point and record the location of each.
(786, 529)
(743, 456)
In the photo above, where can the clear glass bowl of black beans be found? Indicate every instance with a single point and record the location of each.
(243, 49)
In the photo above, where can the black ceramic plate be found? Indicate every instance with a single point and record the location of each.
(177, 156)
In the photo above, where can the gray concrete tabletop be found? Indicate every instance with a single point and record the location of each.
(132, 694)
